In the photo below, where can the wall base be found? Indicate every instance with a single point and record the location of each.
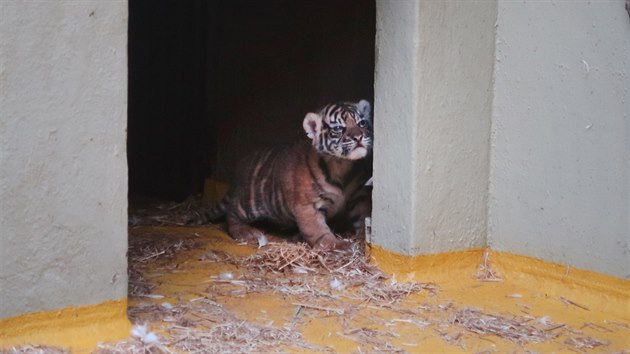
(589, 289)
(77, 328)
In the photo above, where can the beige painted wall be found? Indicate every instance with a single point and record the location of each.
(551, 179)
(395, 92)
(63, 172)
(561, 133)
(433, 90)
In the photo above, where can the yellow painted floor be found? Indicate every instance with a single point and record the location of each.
(582, 311)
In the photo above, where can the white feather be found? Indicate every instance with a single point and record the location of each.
(336, 284)
(141, 332)
(226, 276)
(262, 241)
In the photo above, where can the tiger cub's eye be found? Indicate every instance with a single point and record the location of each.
(362, 124)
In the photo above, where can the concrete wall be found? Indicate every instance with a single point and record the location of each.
(395, 92)
(433, 97)
(504, 124)
(63, 174)
(560, 133)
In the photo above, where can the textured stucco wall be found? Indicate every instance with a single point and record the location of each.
(433, 97)
(395, 112)
(453, 124)
(560, 133)
(63, 174)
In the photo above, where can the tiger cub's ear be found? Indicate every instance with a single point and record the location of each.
(312, 125)
(364, 109)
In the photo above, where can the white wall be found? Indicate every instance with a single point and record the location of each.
(63, 173)
(433, 90)
(560, 133)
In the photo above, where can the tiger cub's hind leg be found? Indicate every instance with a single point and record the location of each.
(360, 208)
(350, 222)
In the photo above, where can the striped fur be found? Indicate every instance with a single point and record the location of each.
(303, 184)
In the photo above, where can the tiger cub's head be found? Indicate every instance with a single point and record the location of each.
(341, 129)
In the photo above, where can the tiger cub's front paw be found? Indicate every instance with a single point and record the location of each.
(330, 243)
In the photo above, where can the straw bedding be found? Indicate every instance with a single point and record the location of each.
(315, 283)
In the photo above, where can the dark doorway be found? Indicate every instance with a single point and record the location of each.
(210, 80)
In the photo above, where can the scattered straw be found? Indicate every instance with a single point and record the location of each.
(130, 346)
(215, 256)
(453, 338)
(204, 326)
(517, 330)
(281, 268)
(380, 292)
(337, 311)
(522, 330)
(485, 272)
(569, 302)
(566, 273)
(283, 257)
(169, 213)
(618, 324)
(149, 248)
(138, 285)
(584, 342)
(35, 349)
(154, 313)
(236, 337)
(318, 281)
(372, 340)
(596, 327)
(222, 332)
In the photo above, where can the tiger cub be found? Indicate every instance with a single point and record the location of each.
(303, 184)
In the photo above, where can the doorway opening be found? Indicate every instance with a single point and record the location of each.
(210, 81)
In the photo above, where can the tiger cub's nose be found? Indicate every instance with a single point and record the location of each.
(355, 134)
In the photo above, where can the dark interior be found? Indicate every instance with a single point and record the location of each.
(210, 80)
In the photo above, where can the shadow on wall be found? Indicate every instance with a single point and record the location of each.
(209, 81)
